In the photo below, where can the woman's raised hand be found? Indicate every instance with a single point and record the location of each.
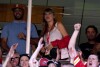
(12, 49)
(77, 26)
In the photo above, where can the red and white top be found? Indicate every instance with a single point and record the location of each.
(78, 62)
(53, 35)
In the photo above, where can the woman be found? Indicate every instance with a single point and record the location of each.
(53, 32)
(24, 60)
(43, 62)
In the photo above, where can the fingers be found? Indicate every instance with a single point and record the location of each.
(21, 35)
(40, 41)
(15, 45)
(49, 47)
(77, 26)
(43, 49)
(40, 44)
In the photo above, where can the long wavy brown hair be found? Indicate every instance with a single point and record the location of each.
(45, 24)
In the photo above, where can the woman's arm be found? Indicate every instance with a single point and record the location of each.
(73, 38)
(72, 42)
(63, 43)
(62, 29)
(33, 62)
(58, 55)
(10, 54)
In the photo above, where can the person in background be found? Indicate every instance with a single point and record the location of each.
(96, 48)
(51, 63)
(86, 48)
(93, 60)
(14, 61)
(24, 60)
(16, 31)
(12, 57)
(54, 33)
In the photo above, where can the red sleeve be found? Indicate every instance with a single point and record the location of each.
(78, 62)
(63, 43)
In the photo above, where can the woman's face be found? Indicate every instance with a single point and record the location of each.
(24, 61)
(92, 61)
(49, 16)
(15, 59)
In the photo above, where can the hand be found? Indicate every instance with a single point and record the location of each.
(21, 35)
(12, 49)
(43, 49)
(49, 47)
(34, 63)
(77, 26)
(40, 45)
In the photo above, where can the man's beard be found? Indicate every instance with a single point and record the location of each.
(91, 38)
(18, 18)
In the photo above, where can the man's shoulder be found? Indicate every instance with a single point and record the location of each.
(7, 25)
(33, 24)
(83, 44)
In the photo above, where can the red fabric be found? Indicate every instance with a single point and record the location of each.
(43, 61)
(63, 43)
(80, 63)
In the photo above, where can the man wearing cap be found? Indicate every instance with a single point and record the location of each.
(16, 31)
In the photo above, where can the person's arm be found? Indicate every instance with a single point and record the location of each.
(62, 29)
(63, 43)
(72, 42)
(74, 57)
(58, 55)
(73, 38)
(4, 38)
(33, 41)
(10, 54)
(4, 44)
(33, 62)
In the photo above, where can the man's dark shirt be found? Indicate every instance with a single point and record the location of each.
(86, 49)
